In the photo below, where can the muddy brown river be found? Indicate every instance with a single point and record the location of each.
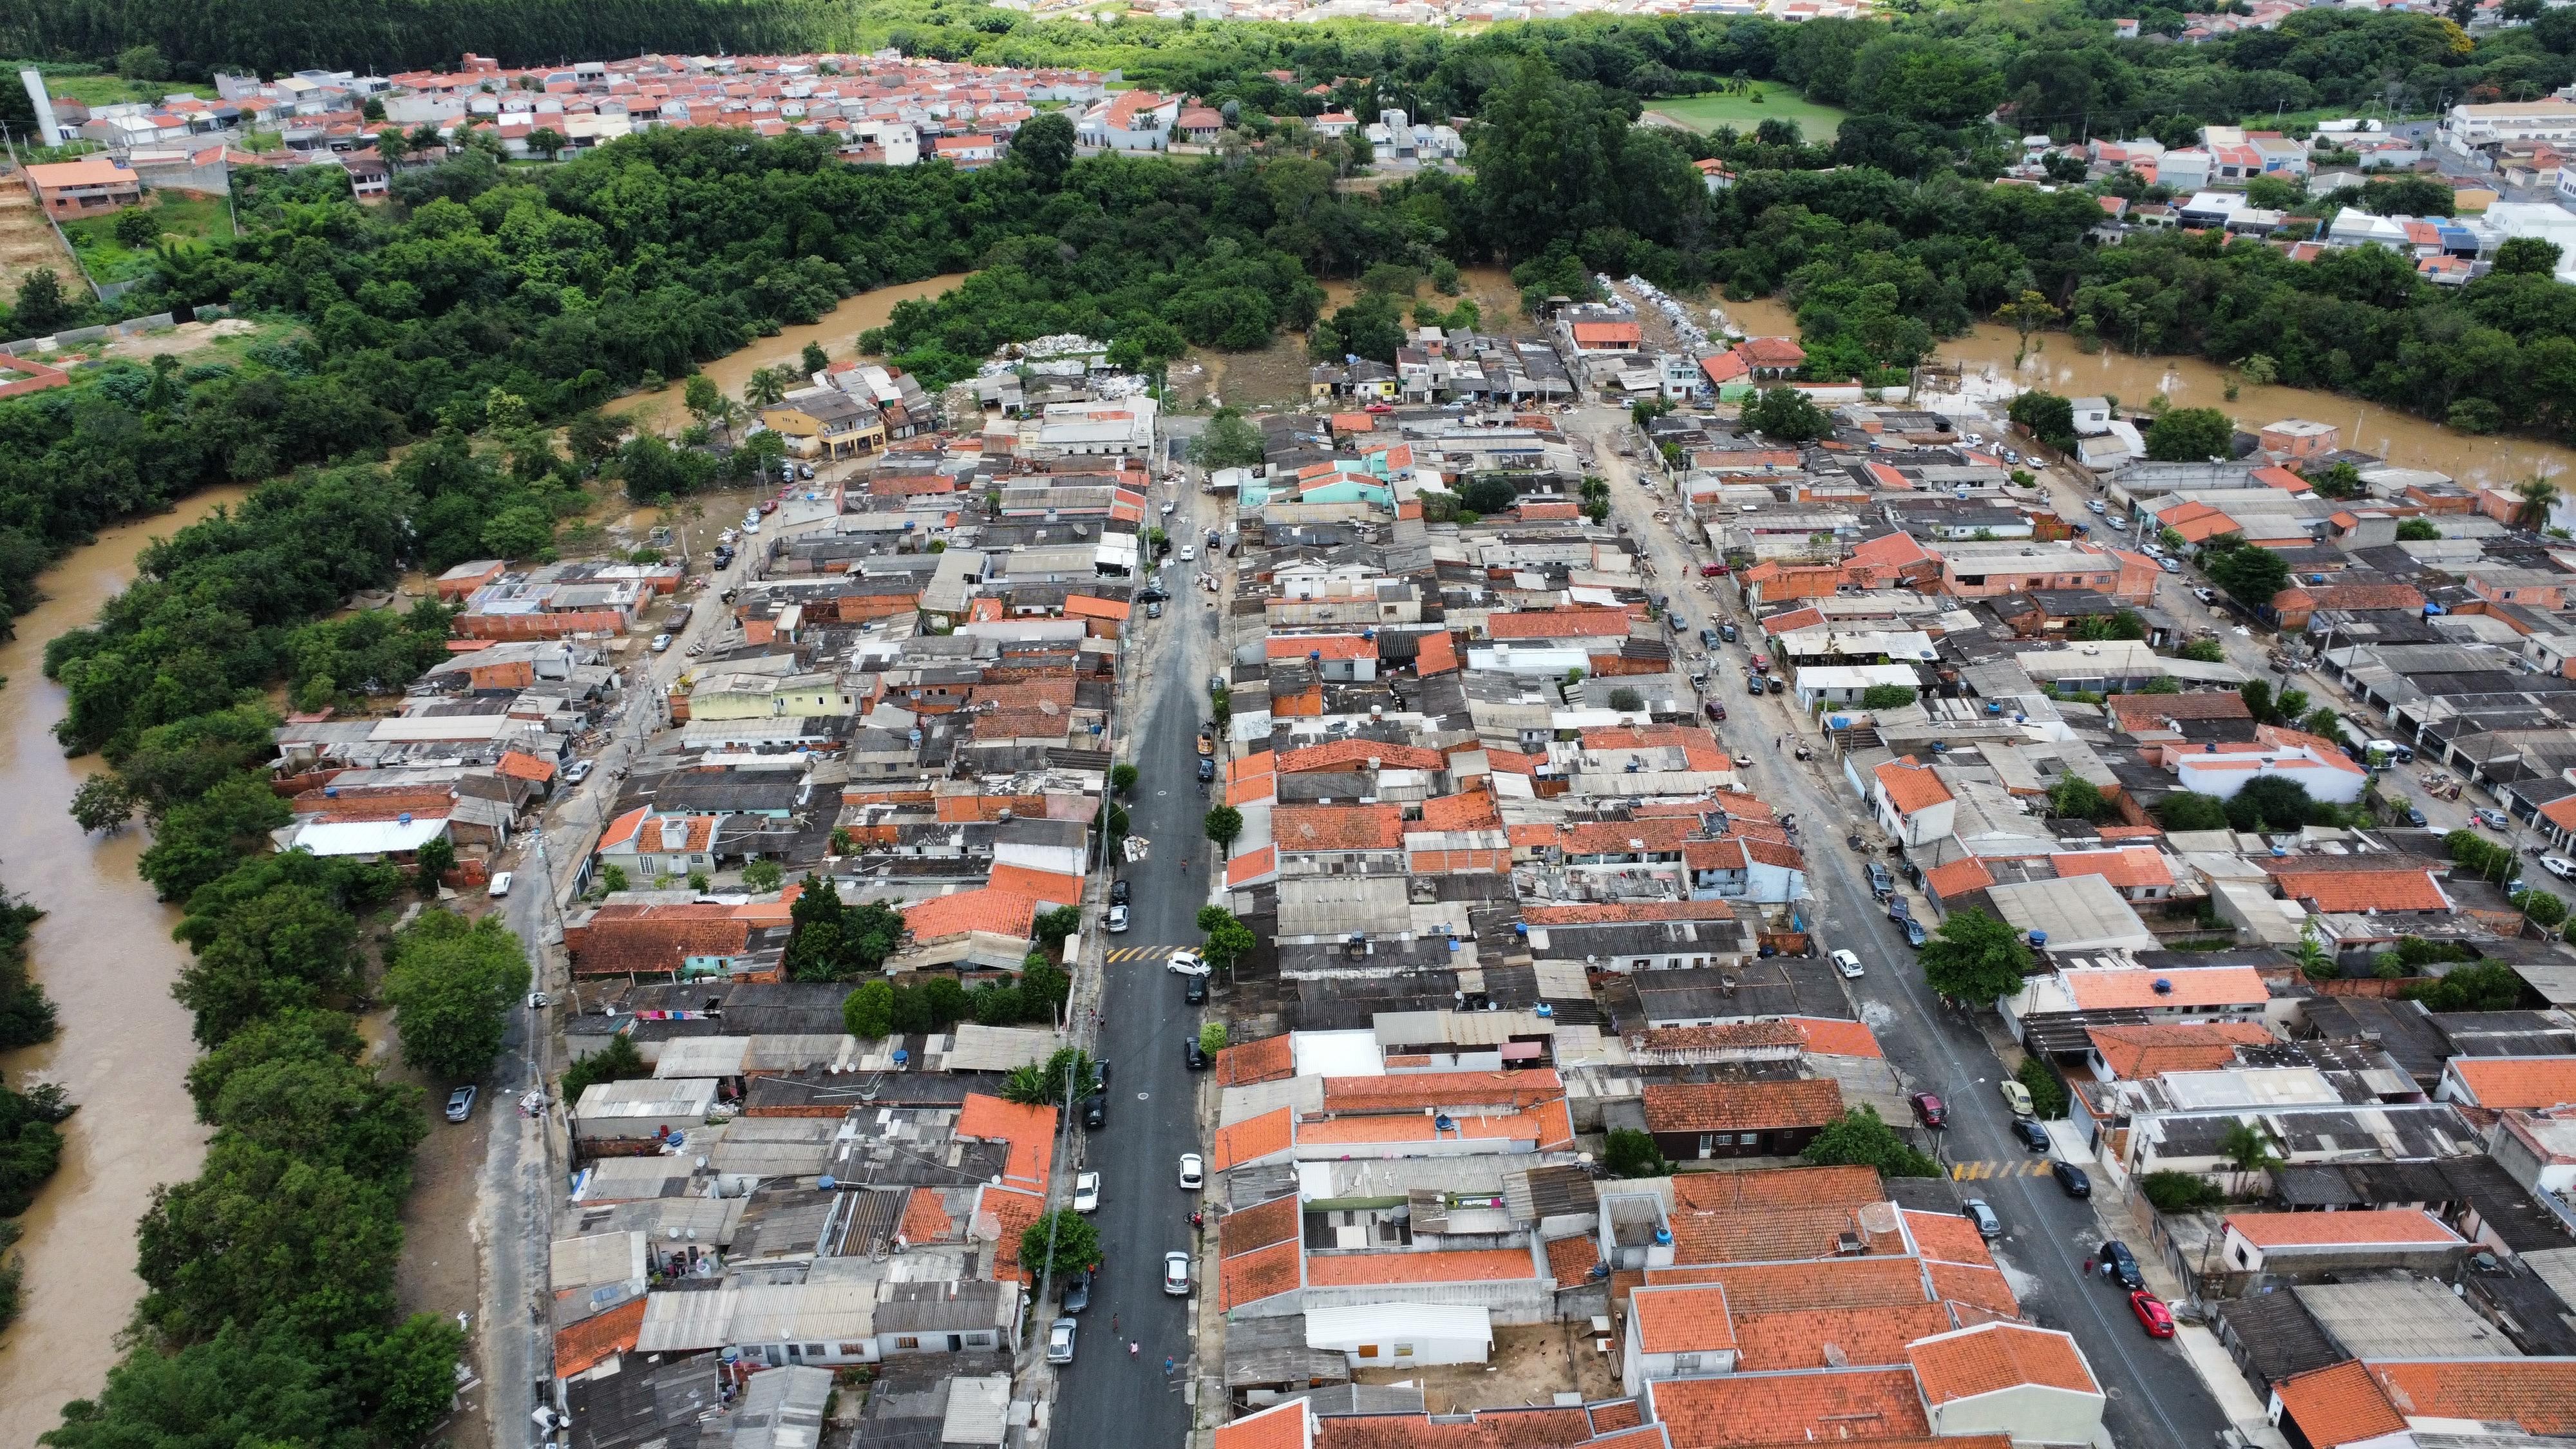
(104, 952)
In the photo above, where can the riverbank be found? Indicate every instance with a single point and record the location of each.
(121, 1045)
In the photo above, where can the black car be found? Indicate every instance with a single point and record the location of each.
(2120, 1266)
(1207, 768)
(1077, 1291)
(2071, 1178)
(1095, 1111)
(1191, 1056)
(1708, 638)
(1753, 684)
(1118, 890)
(1152, 596)
(2032, 1135)
(1195, 991)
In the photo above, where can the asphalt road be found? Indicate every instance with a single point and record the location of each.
(1105, 1396)
(2156, 1398)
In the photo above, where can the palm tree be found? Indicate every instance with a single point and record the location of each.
(2538, 495)
(765, 386)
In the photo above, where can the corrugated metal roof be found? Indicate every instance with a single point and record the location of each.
(598, 1258)
(1381, 1322)
(703, 1056)
(978, 1411)
(999, 1048)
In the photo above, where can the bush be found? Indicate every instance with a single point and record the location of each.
(1886, 696)
(2179, 1192)
(2047, 1089)
(1859, 1138)
(1632, 1153)
(2185, 810)
(763, 876)
(1212, 1037)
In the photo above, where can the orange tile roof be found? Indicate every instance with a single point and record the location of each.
(2359, 890)
(1029, 1130)
(1981, 1287)
(1771, 1235)
(1410, 1092)
(2136, 1052)
(925, 1218)
(1607, 332)
(1084, 606)
(1723, 1036)
(1268, 1059)
(1252, 865)
(1559, 624)
(1547, 1428)
(2150, 711)
(2337, 1404)
(1550, 1125)
(1615, 1415)
(1832, 1187)
(1749, 1409)
(1438, 654)
(1251, 1140)
(1946, 1237)
(1959, 877)
(1282, 1426)
(1012, 1213)
(1330, 646)
(1840, 1284)
(2359, 1228)
(1004, 913)
(1473, 810)
(1345, 755)
(1773, 351)
(1259, 1226)
(1998, 1356)
(1911, 787)
(1830, 1038)
(2191, 986)
(1573, 1258)
(1833, 1337)
(1473, 1265)
(1261, 1273)
(1047, 887)
(2126, 867)
(2539, 1394)
(1690, 1318)
(584, 1346)
(1741, 1106)
(1337, 827)
(2532, 1083)
(520, 765)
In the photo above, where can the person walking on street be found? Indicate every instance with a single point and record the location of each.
(1168, 1366)
(1134, 1348)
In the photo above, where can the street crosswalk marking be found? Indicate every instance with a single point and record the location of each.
(1973, 1171)
(1139, 953)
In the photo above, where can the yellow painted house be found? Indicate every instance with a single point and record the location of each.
(769, 696)
(825, 422)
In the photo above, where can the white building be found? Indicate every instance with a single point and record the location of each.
(2471, 128)
(1402, 1335)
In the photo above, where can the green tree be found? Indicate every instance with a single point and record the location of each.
(136, 228)
(1223, 825)
(612, 878)
(1228, 441)
(1859, 1138)
(2247, 1146)
(2538, 496)
(143, 63)
(435, 858)
(762, 876)
(2048, 417)
(813, 359)
(617, 1061)
(1059, 1243)
(1228, 939)
(2191, 435)
(2527, 256)
(2203, 651)
(2250, 575)
(1786, 415)
(1212, 1037)
(547, 142)
(452, 984)
(2272, 804)
(765, 386)
(198, 841)
(2485, 986)
(2047, 1089)
(2180, 1192)
(1626, 700)
(2075, 798)
(1631, 1153)
(1122, 779)
(42, 308)
(1976, 958)
(103, 803)
(1065, 1075)
(1044, 144)
(2417, 530)
(868, 1013)
(1053, 926)
(1886, 696)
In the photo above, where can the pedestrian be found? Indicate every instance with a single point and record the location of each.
(2088, 1265)
(1168, 1366)
(1134, 1348)
(1113, 1322)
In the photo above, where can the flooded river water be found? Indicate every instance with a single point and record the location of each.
(1986, 356)
(837, 332)
(104, 952)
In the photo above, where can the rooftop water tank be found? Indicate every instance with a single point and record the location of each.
(2038, 940)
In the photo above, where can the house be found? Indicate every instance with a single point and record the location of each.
(1696, 1121)
(2008, 1378)
(1911, 803)
(825, 422)
(84, 187)
(2308, 1242)
(1676, 1331)
(2531, 1084)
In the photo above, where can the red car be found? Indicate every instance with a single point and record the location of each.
(1380, 408)
(1928, 1110)
(1712, 571)
(769, 505)
(2152, 1313)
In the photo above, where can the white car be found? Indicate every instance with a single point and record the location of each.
(1167, 509)
(1848, 963)
(2095, 505)
(1176, 1274)
(1060, 1341)
(501, 885)
(1186, 962)
(576, 772)
(2169, 564)
(2116, 523)
(2559, 866)
(1193, 1172)
(661, 643)
(1117, 918)
(751, 525)
(1188, 553)
(1086, 1192)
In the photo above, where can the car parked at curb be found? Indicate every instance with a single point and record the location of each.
(1176, 1274)
(1077, 1291)
(2031, 1134)
(1848, 964)
(1060, 1340)
(500, 885)
(1928, 1110)
(1989, 1226)
(460, 1104)
(1193, 1172)
(2152, 1314)
(1086, 1192)
(1117, 919)
(2071, 1179)
(2558, 865)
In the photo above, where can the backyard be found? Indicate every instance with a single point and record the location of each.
(110, 260)
(1749, 108)
(109, 90)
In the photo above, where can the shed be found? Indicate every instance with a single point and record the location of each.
(1402, 1335)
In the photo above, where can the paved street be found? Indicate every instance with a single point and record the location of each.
(1106, 1397)
(2155, 1396)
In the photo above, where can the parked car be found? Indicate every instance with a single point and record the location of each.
(2152, 1313)
(499, 887)
(2032, 1135)
(1194, 990)
(1849, 964)
(1726, 632)
(1708, 638)
(1379, 407)
(661, 643)
(1060, 1341)
(1154, 609)
(2414, 817)
(577, 771)
(1753, 684)
(2169, 564)
(1119, 891)
(2071, 1179)
(1207, 768)
(1743, 761)
(2116, 524)
(2558, 865)
(1193, 1056)
(1928, 1110)
(1188, 552)
(1176, 1274)
(2205, 594)
(1086, 1192)
(1988, 1225)
(1914, 933)
(1117, 919)
(460, 1104)
(2094, 505)
(2492, 819)
(1077, 1290)
(1095, 1111)
(1188, 963)
(1716, 711)
(1193, 1172)
(2120, 1265)
(2017, 1097)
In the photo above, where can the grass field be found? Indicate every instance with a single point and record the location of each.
(109, 260)
(109, 90)
(1778, 103)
